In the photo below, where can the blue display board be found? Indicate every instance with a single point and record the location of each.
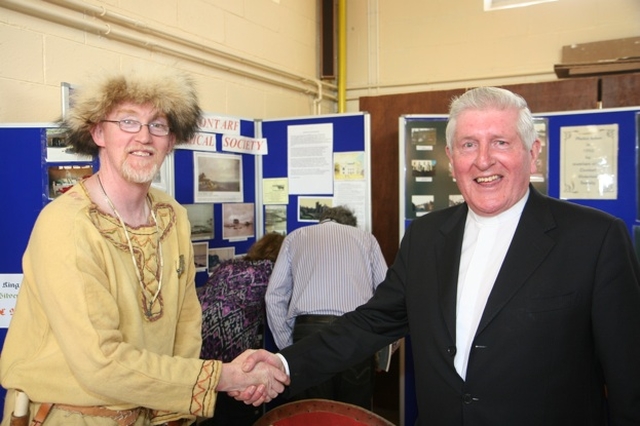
(625, 206)
(26, 171)
(184, 190)
(350, 134)
(27, 183)
(28, 180)
(19, 165)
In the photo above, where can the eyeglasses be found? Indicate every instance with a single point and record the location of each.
(134, 126)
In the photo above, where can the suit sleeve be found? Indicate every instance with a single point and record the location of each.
(616, 324)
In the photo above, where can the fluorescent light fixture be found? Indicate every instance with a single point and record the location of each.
(508, 4)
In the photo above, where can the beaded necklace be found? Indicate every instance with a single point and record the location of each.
(147, 310)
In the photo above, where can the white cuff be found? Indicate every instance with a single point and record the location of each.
(284, 363)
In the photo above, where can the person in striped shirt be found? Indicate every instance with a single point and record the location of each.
(323, 271)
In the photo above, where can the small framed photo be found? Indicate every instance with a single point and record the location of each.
(163, 180)
(201, 219)
(238, 221)
(310, 209)
(58, 150)
(201, 256)
(219, 255)
(422, 204)
(62, 178)
(217, 177)
(275, 216)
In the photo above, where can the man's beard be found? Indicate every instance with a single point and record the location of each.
(139, 176)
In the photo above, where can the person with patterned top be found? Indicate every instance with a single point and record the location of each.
(233, 318)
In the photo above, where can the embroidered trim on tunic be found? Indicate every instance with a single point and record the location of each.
(203, 395)
(143, 239)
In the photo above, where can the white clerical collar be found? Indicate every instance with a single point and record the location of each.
(505, 216)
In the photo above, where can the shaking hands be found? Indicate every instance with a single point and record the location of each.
(254, 377)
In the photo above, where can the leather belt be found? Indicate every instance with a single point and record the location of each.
(316, 319)
(122, 417)
(42, 413)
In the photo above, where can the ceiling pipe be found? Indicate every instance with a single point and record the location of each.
(317, 102)
(342, 55)
(222, 60)
(158, 31)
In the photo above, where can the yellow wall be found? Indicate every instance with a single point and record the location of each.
(257, 58)
(422, 45)
(251, 58)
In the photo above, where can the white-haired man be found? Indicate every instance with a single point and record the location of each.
(522, 309)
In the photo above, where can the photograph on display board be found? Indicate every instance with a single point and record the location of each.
(218, 177)
(427, 176)
(201, 256)
(163, 180)
(423, 168)
(219, 255)
(311, 208)
(62, 178)
(348, 166)
(589, 162)
(539, 179)
(422, 204)
(201, 219)
(455, 199)
(275, 219)
(58, 150)
(423, 137)
(275, 191)
(238, 221)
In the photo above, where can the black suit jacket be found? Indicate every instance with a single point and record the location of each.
(561, 322)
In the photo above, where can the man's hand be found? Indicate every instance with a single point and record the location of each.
(256, 381)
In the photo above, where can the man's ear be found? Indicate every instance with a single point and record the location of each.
(449, 156)
(535, 153)
(97, 133)
(172, 143)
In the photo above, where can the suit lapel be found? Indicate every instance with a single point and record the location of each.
(529, 247)
(448, 264)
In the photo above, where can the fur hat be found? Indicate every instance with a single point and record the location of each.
(169, 91)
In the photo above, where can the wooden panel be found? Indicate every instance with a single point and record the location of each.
(563, 95)
(384, 175)
(385, 112)
(600, 50)
(597, 69)
(621, 90)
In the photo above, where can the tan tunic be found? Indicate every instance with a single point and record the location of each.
(80, 335)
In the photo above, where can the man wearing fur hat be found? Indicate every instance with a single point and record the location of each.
(109, 330)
